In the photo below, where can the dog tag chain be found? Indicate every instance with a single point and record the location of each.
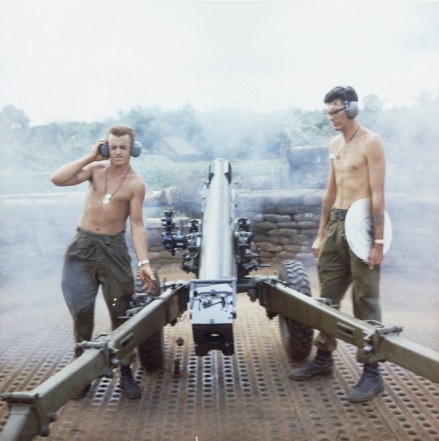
(107, 196)
(337, 154)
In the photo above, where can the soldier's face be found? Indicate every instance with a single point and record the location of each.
(120, 148)
(336, 113)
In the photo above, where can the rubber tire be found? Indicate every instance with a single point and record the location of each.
(296, 337)
(151, 351)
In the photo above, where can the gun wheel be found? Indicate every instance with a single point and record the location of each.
(151, 351)
(296, 337)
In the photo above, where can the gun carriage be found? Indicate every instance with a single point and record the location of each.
(219, 251)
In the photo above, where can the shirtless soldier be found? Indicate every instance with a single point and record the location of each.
(357, 169)
(98, 254)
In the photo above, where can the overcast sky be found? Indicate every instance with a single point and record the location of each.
(85, 60)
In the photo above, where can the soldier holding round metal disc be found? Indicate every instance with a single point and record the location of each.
(98, 254)
(357, 169)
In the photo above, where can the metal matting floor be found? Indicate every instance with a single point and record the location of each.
(244, 397)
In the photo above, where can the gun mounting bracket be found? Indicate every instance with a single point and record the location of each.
(26, 401)
(92, 344)
(372, 340)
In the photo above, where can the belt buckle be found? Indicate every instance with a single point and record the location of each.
(339, 215)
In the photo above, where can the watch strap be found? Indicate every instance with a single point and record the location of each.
(140, 263)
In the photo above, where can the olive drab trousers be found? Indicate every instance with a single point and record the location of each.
(338, 268)
(94, 260)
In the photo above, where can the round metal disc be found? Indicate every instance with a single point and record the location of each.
(359, 229)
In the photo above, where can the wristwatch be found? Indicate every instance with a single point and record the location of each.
(379, 241)
(140, 263)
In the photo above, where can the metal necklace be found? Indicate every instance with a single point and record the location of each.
(336, 155)
(108, 196)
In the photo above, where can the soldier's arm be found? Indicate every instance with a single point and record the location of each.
(377, 168)
(138, 233)
(77, 171)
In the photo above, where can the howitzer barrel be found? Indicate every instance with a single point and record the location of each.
(217, 255)
(213, 296)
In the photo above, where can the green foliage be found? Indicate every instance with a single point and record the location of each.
(255, 143)
(14, 129)
(13, 120)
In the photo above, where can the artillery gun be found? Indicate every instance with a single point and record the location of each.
(219, 250)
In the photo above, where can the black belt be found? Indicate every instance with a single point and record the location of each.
(337, 214)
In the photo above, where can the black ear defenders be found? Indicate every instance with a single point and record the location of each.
(351, 109)
(136, 149)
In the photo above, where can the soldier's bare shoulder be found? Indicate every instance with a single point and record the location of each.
(97, 167)
(136, 179)
(369, 135)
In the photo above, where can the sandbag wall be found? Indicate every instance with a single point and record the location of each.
(284, 224)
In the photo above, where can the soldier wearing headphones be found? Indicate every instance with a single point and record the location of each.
(98, 254)
(357, 169)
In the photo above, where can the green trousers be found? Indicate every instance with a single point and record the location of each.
(92, 261)
(338, 268)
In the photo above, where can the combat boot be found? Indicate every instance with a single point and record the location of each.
(128, 384)
(321, 365)
(369, 385)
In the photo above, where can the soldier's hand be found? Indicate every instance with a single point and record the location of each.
(95, 150)
(146, 276)
(316, 246)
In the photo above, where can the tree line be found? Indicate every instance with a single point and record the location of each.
(410, 135)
